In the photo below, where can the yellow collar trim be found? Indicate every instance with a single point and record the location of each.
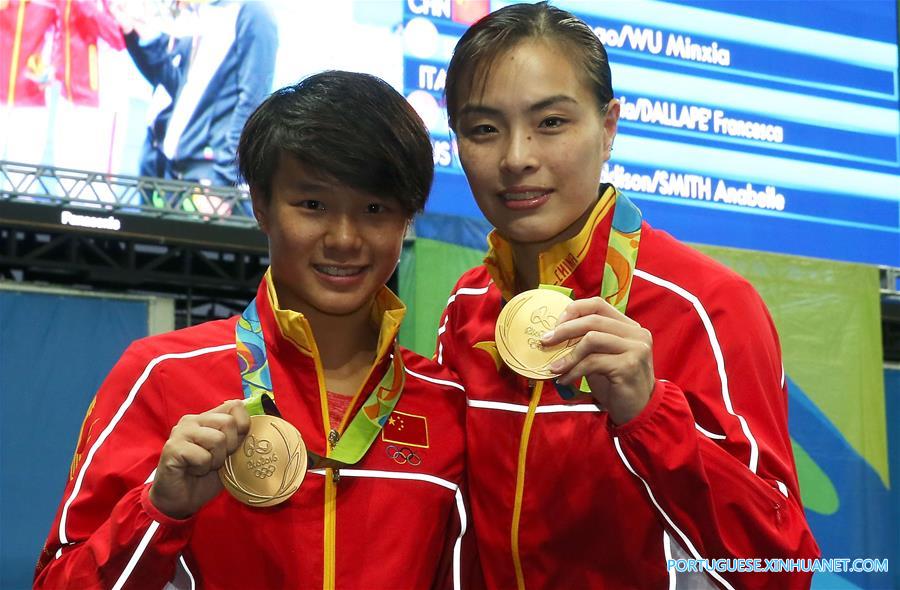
(387, 314)
(555, 264)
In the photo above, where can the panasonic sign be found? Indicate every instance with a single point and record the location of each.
(90, 221)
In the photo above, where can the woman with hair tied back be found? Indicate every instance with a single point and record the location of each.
(661, 433)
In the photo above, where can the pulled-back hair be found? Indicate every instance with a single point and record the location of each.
(504, 29)
(350, 127)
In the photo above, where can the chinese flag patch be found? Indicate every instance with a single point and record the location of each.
(468, 12)
(406, 429)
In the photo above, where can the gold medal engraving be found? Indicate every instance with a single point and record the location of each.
(520, 326)
(270, 464)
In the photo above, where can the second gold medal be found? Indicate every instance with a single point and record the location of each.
(520, 326)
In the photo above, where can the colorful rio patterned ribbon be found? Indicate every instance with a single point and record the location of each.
(618, 272)
(251, 353)
(621, 253)
(257, 383)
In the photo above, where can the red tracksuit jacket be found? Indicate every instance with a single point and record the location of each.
(561, 498)
(390, 522)
(80, 25)
(23, 29)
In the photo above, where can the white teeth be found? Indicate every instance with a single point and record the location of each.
(523, 196)
(337, 271)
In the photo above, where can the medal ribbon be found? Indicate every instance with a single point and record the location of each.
(257, 384)
(618, 271)
(621, 253)
(252, 360)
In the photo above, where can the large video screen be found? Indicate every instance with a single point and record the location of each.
(163, 87)
(762, 125)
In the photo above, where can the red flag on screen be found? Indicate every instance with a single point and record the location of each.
(469, 11)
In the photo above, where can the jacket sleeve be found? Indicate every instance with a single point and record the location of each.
(443, 579)
(460, 554)
(257, 43)
(729, 490)
(154, 60)
(106, 532)
(96, 21)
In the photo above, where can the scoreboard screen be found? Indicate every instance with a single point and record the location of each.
(762, 125)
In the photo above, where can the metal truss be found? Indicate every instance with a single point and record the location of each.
(193, 276)
(194, 243)
(128, 263)
(152, 197)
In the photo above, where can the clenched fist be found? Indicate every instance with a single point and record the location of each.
(187, 475)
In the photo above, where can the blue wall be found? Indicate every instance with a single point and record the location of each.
(55, 351)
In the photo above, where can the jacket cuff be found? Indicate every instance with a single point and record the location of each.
(644, 417)
(163, 519)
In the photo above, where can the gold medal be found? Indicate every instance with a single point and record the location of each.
(269, 465)
(521, 324)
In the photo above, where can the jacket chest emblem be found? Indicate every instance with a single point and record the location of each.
(403, 455)
(407, 430)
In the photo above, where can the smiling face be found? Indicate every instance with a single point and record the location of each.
(332, 247)
(532, 141)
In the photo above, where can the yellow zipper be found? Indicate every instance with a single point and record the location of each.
(68, 49)
(330, 489)
(520, 483)
(332, 477)
(330, 519)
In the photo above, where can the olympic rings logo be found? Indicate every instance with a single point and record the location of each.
(403, 455)
(261, 446)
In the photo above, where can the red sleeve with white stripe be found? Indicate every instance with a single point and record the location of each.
(472, 576)
(107, 533)
(135, 547)
(731, 492)
(443, 353)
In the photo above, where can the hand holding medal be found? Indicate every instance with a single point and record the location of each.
(186, 477)
(543, 334)
(270, 464)
(260, 459)
(614, 353)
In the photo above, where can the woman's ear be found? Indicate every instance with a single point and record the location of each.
(260, 201)
(611, 122)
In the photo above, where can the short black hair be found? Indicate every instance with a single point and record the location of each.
(351, 127)
(504, 29)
